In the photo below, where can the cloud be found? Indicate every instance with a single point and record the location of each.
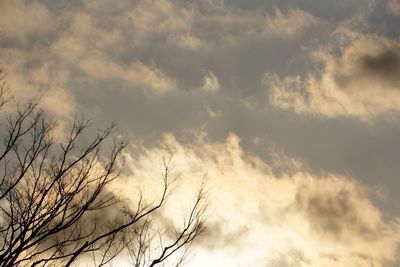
(210, 83)
(230, 25)
(136, 74)
(152, 19)
(32, 78)
(84, 35)
(212, 22)
(188, 41)
(289, 23)
(211, 113)
(114, 42)
(20, 19)
(261, 218)
(90, 48)
(371, 61)
(393, 7)
(363, 81)
(275, 213)
(39, 80)
(339, 212)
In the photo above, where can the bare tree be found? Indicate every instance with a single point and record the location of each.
(54, 196)
(146, 245)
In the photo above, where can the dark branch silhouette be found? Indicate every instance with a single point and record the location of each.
(54, 196)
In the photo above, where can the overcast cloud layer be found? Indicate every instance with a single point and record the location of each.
(290, 107)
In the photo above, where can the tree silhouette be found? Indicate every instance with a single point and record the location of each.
(56, 205)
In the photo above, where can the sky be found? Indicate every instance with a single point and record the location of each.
(291, 109)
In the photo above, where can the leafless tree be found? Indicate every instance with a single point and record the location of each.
(55, 197)
(146, 245)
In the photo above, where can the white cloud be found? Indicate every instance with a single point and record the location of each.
(200, 25)
(96, 38)
(188, 41)
(88, 48)
(39, 80)
(258, 218)
(211, 113)
(210, 83)
(136, 74)
(362, 82)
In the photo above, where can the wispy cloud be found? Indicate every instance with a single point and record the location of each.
(393, 7)
(362, 82)
(210, 83)
(195, 67)
(262, 218)
(20, 20)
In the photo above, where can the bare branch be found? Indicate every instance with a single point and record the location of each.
(56, 199)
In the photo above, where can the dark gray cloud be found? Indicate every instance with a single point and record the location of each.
(386, 62)
(336, 216)
(380, 65)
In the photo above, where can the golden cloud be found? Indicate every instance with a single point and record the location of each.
(259, 217)
(362, 82)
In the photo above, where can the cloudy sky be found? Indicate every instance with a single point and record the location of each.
(290, 108)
